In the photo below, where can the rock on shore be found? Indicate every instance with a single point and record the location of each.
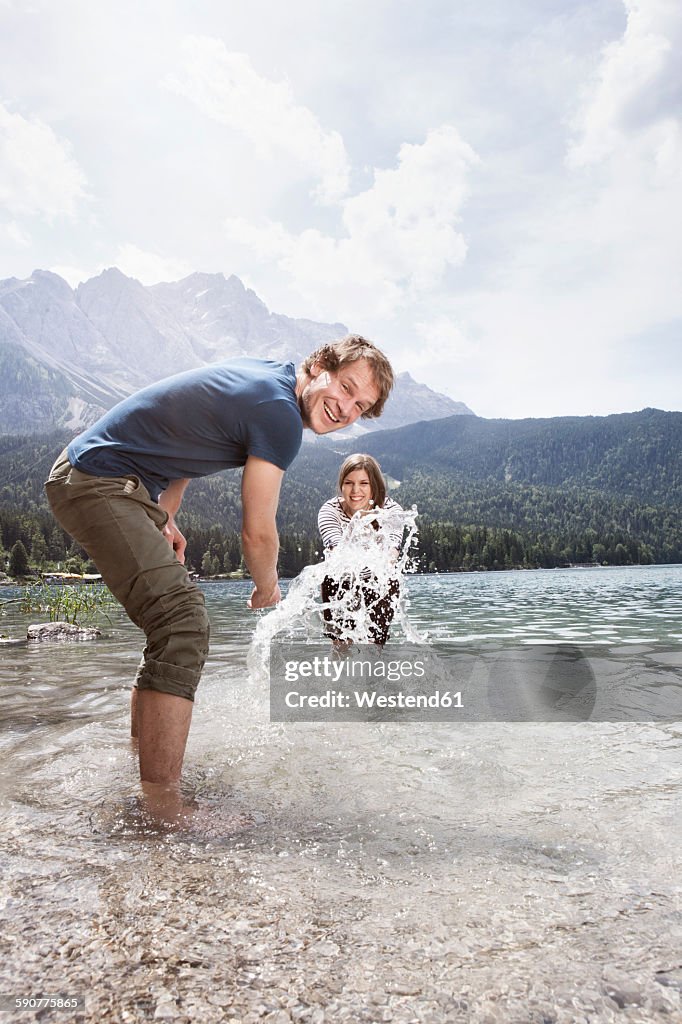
(61, 631)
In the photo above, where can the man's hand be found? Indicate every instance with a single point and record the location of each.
(260, 600)
(175, 539)
(169, 501)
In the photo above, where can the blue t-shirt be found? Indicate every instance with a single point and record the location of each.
(196, 423)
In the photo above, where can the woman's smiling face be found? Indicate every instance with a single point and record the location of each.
(356, 491)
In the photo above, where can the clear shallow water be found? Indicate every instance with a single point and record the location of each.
(474, 872)
(589, 606)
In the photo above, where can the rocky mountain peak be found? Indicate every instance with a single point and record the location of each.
(52, 283)
(113, 335)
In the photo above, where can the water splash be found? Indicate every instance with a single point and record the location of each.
(377, 549)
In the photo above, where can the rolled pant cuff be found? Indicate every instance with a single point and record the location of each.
(165, 678)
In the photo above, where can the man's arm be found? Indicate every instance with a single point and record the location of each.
(260, 496)
(169, 501)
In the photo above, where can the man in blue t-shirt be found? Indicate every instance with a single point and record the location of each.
(118, 486)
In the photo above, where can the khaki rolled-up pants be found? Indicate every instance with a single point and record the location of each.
(115, 520)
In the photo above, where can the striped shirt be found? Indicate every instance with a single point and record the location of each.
(332, 521)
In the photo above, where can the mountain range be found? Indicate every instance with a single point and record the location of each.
(490, 493)
(590, 489)
(632, 455)
(68, 354)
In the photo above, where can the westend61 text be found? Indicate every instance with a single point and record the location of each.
(365, 699)
(309, 682)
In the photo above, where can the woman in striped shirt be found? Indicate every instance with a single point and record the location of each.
(362, 489)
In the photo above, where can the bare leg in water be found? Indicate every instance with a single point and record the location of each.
(159, 723)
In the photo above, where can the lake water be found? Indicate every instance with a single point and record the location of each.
(486, 871)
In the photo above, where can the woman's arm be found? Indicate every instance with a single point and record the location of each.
(330, 524)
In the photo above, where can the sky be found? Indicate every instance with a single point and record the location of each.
(489, 189)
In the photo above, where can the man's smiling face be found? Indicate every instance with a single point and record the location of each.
(333, 399)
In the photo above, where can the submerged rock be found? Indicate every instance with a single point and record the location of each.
(61, 631)
(624, 990)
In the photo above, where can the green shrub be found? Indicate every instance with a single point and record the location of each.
(77, 604)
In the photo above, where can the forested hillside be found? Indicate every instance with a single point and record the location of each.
(638, 455)
(491, 494)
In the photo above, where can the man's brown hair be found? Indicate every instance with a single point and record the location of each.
(334, 355)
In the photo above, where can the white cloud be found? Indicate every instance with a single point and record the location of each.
(637, 88)
(38, 175)
(16, 234)
(150, 267)
(564, 259)
(75, 275)
(146, 267)
(623, 215)
(227, 88)
(591, 262)
(441, 339)
(401, 235)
